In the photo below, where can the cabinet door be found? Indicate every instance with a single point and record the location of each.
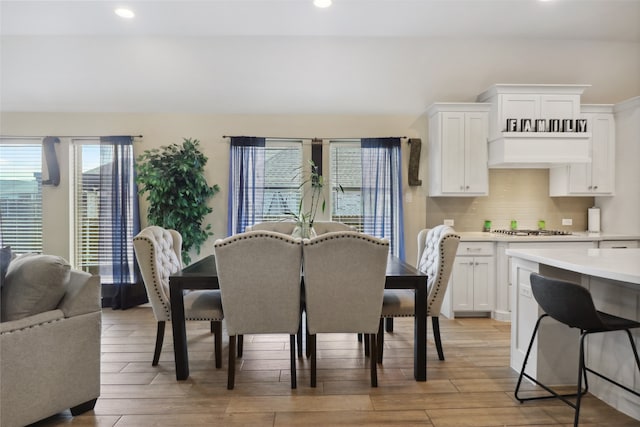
(462, 284)
(476, 178)
(483, 284)
(519, 106)
(559, 106)
(596, 177)
(453, 152)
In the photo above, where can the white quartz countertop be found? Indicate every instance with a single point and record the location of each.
(615, 264)
(576, 236)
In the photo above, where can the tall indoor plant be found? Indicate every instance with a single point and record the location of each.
(177, 191)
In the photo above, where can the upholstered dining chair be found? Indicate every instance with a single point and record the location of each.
(436, 252)
(259, 273)
(158, 252)
(284, 227)
(344, 278)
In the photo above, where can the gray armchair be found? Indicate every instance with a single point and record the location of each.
(158, 252)
(259, 276)
(344, 278)
(436, 252)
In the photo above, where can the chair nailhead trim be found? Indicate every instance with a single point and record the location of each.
(254, 234)
(355, 235)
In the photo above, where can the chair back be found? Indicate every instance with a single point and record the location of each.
(437, 249)
(159, 253)
(323, 227)
(344, 277)
(284, 227)
(566, 302)
(259, 276)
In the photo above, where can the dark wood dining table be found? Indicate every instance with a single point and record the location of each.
(203, 275)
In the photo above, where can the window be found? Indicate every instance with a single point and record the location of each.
(104, 206)
(346, 173)
(282, 178)
(21, 195)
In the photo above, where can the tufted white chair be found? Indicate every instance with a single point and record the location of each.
(260, 282)
(344, 277)
(284, 227)
(158, 252)
(436, 252)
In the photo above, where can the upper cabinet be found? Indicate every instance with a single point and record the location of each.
(535, 126)
(458, 149)
(597, 177)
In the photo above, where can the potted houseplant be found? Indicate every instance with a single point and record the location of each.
(177, 191)
(313, 186)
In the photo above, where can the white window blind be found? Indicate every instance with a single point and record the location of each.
(21, 195)
(346, 172)
(282, 178)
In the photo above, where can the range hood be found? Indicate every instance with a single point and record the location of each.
(520, 117)
(538, 150)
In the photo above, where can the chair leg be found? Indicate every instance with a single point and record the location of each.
(367, 348)
(308, 350)
(553, 394)
(435, 321)
(311, 346)
(389, 326)
(292, 356)
(373, 361)
(359, 337)
(213, 327)
(231, 373)
(217, 339)
(299, 337)
(240, 342)
(159, 341)
(634, 348)
(380, 337)
(83, 407)
(581, 373)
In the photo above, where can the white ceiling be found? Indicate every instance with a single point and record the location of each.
(265, 56)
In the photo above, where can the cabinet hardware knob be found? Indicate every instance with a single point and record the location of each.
(595, 187)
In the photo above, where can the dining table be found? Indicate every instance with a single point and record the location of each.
(203, 275)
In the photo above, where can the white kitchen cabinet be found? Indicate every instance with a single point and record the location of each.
(595, 178)
(458, 149)
(472, 283)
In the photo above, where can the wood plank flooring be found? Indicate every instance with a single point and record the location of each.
(473, 387)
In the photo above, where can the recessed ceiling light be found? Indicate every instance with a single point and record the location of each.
(322, 3)
(125, 13)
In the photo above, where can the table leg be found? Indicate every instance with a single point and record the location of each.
(420, 333)
(179, 333)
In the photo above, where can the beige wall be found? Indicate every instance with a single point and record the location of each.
(164, 129)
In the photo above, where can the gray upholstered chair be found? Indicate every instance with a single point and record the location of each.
(284, 227)
(260, 280)
(436, 252)
(344, 277)
(158, 252)
(323, 227)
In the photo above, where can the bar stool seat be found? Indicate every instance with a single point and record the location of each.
(571, 304)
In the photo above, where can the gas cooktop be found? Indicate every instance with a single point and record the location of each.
(533, 232)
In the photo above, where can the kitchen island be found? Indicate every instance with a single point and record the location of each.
(613, 278)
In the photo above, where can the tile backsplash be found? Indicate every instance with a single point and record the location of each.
(514, 194)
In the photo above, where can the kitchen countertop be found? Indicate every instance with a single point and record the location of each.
(577, 236)
(615, 264)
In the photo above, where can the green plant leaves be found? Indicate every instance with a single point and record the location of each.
(177, 191)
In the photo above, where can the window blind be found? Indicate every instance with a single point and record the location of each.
(282, 178)
(21, 195)
(346, 172)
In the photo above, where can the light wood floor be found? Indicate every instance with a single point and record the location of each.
(473, 387)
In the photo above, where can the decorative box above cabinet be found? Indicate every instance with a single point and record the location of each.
(597, 177)
(535, 126)
(458, 149)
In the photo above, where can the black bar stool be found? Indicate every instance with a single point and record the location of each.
(572, 305)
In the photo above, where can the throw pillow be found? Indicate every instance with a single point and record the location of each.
(5, 259)
(34, 283)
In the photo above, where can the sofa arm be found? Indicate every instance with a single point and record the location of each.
(31, 321)
(82, 295)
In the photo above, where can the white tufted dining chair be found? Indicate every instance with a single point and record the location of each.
(259, 273)
(344, 278)
(158, 252)
(436, 252)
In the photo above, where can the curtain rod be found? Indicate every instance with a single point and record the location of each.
(62, 136)
(308, 138)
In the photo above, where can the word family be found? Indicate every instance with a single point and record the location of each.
(546, 125)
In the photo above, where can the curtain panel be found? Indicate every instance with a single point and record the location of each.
(121, 218)
(246, 182)
(382, 191)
